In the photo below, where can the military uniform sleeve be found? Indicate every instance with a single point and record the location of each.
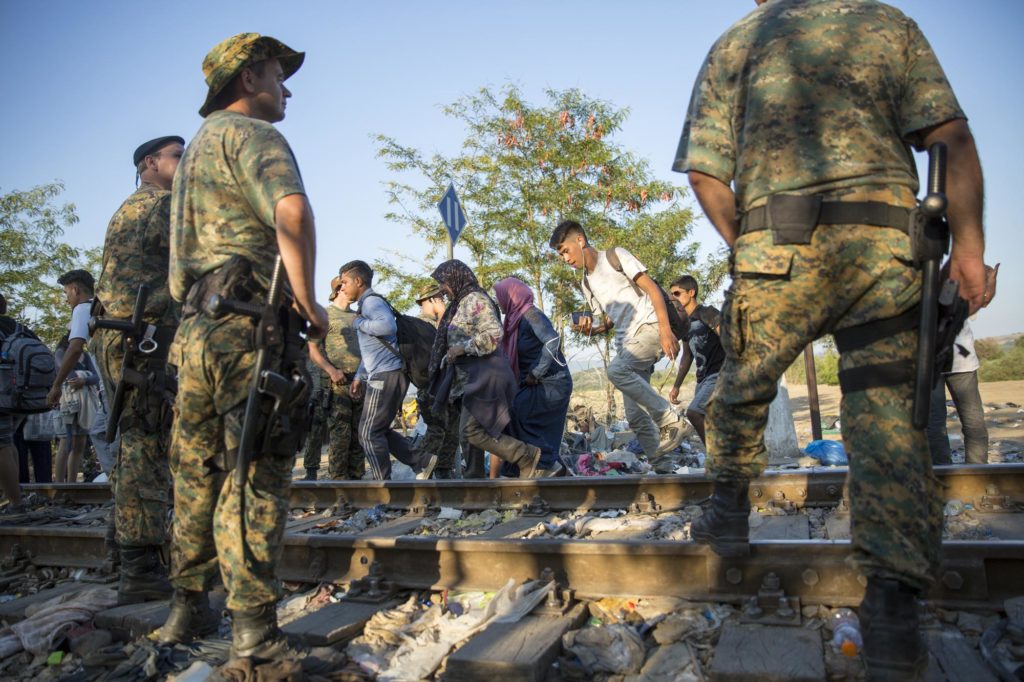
(928, 98)
(267, 172)
(707, 144)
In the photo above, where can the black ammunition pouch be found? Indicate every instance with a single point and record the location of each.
(793, 218)
(233, 281)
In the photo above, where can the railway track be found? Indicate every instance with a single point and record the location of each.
(975, 574)
(984, 486)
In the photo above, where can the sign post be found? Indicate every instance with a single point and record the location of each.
(453, 216)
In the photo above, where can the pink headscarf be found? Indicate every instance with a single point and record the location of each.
(514, 299)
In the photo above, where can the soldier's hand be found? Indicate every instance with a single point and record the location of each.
(669, 343)
(317, 318)
(337, 376)
(673, 395)
(969, 272)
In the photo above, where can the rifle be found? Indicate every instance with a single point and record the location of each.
(138, 336)
(943, 311)
(265, 381)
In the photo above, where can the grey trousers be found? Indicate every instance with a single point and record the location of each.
(384, 395)
(630, 372)
(963, 387)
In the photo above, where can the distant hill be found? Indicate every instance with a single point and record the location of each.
(1005, 342)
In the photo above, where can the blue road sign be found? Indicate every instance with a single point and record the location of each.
(451, 213)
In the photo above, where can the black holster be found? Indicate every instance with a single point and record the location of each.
(284, 382)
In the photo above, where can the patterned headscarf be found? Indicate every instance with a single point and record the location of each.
(514, 298)
(460, 279)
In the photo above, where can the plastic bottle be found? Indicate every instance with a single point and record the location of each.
(846, 632)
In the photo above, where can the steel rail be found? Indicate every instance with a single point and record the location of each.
(973, 574)
(984, 486)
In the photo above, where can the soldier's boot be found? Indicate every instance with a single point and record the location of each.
(190, 618)
(255, 634)
(893, 646)
(444, 474)
(143, 576)
(725, 524)
(310, 474)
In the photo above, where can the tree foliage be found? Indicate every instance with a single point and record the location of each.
(32, 257)
(522, 169)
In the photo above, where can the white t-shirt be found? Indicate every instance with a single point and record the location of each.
(965, 341)
(79, 328)
(613, 294)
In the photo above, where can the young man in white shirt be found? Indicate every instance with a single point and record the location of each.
(631, 304)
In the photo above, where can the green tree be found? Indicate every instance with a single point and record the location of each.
(32, 257)
(988, 349)
(522, 169)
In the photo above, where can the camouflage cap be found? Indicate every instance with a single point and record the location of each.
(335, 284)
(229, 57)
(433, 292)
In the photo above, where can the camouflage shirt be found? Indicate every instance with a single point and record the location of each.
(816, 97)
(341, 345)
(135, 252)
(228, 183)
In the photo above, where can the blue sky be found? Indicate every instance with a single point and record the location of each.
(91, 80)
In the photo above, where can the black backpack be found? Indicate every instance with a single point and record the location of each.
(27, 371)
(679, 323)
(415, 341)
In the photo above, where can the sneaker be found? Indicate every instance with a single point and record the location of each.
(671, 435)
(427, 469)
(530, 468)
(556, 470)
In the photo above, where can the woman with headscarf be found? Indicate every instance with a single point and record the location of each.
(465, 363)
(533, 349)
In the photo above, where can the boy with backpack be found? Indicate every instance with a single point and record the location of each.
(702, 345)
(383, 376)
(27, 369)
(616, 285)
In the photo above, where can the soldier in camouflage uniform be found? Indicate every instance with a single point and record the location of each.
(135, 252)
(805, 101)
(237, 201)
(311, 449)
(337, 358)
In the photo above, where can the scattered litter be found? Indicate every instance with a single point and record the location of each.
(828, 452)
(614, 648)
(450, 513)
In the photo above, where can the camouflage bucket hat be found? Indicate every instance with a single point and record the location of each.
(335, 285)
(229, 57)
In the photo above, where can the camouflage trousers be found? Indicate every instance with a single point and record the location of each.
(442, 436)
(215, 361)
(782, 298)
(336, 419)
(141, 479)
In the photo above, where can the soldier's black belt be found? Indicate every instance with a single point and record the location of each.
(875, 213)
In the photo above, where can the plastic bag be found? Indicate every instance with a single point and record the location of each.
(828, 452)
